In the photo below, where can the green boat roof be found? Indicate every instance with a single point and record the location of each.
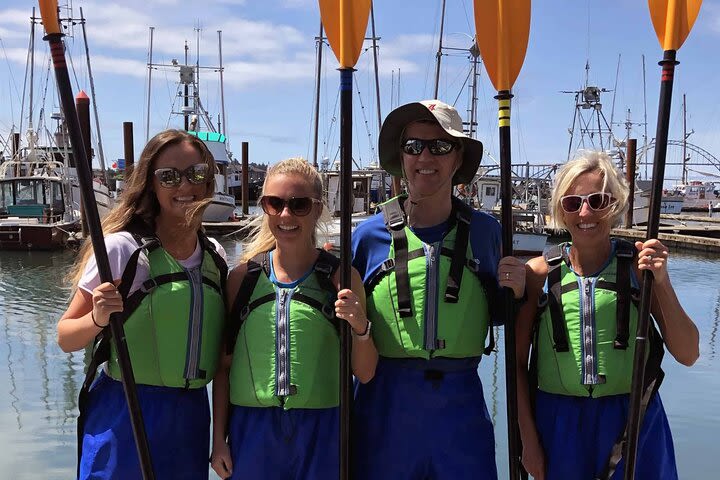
(209, 136)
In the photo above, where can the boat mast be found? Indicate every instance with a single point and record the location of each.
(186, 88)
(475, 56)
(32, 70)
(150, 67)
(101, 154)
(684, 143)
(319, 43)
(222, 88)
(439, 52)
(645, 136)
(375, 63)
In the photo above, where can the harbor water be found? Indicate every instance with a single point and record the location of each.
(38, 400)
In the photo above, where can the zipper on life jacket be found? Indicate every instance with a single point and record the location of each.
(282, 343)
(192, 361)
(432, 274)
(587, 329)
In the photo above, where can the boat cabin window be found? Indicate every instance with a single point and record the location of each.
(29, 192)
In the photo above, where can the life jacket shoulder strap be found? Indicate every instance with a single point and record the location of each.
(240, 308)
(625, 253)
(555, 258)
(462, 214)
(395, 223)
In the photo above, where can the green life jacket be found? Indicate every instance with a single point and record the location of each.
(174, 322)
(411, 317)
(582, 346)
(285, 341)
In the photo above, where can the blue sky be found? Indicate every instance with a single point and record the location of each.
(269, 58)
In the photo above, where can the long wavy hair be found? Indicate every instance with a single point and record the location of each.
(261, 239)
(138, 204)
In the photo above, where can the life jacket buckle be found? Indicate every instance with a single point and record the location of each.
(244, 312)
(388, 264)
(328, 311)
(474, 265)
(543, 300)
(324, 268)
(396, 224)
(148, 285)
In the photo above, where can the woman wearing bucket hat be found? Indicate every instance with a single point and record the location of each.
(432, 272)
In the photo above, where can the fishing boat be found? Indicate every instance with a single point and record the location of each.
(39, 189)
(529, 239)
(197, 122)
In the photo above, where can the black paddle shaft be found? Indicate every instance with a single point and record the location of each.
(346, 207)
(661, 137)
(93, 222)
(515, 466)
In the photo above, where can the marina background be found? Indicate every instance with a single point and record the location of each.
(269, 53)
(38, 401)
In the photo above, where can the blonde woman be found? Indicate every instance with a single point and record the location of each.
(168, 290)
(277, 391)
(580, 320)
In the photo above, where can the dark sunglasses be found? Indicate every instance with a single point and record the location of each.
(172, 177)
(596, 201)
(298, 206)
(437, 146)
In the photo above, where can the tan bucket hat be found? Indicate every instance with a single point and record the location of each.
(447, 117)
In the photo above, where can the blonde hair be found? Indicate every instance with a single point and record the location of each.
(589, 161)
(138, 203)
(261, 239)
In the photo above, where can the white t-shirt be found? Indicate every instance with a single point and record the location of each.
(120, 247)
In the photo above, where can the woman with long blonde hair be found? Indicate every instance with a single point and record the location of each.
(168, 292)
(280, 374)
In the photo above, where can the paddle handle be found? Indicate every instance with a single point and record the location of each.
(641, 340)
(82, 163)
(346, 207)
(515, 467)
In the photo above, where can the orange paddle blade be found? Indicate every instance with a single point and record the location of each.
(502, 31)
(49, 14)
(345, 23)
(673, 20)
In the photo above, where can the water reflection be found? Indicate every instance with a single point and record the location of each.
(714, 329)
(38, 406)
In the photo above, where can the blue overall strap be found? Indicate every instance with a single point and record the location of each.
(395, 223)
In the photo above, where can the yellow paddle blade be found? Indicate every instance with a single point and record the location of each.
(673, 20)
(345, 23)
(49, 14)
(502, 30)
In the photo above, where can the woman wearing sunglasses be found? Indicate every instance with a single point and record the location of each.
(432, 270)
(581, 321)
(168, 293)
(281, 371)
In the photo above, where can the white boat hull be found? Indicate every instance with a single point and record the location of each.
(221, 209)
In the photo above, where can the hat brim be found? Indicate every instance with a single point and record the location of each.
(390, 137)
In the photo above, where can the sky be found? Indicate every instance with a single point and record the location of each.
(269, 59)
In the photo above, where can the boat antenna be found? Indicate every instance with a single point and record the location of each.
(222, 88)
(319, 43)
(101, 154)
(645, 136)
(438, 55)
(150, 69)
(375, 63)
(612, 109)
